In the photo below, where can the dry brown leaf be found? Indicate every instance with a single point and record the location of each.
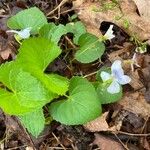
(100, 124)
(125, 49)
(135, 82)
(145, 143)
(5, 54)
(126, 11)
(143, 8)
(145, 76)
(135, 103)
(106, 143)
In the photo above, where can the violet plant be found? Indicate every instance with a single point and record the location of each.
(116, 77)
(27, 88)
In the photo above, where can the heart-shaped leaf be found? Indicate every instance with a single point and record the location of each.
(81, 106)
(35, 55)
(53, 32)
(77, 29)
(24, 91)
(32, 17)
(90, 48)
(34, 121)
(106, 97)
(101, 88)
(11, 104)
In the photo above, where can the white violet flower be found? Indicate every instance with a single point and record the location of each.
(117, 76)
(109, 34)
(24, 34)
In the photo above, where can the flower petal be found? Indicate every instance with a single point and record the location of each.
(124, 80)
(105, 76)
(109, 34)
(24, 34)
(114, 87)
(116, 69)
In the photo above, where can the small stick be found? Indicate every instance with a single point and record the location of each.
(88, 75)
(70, 42)
(121, 142)
(131, 134)
(58, 7)
(58, 141)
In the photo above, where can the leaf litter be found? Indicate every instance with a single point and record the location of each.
(124, 124)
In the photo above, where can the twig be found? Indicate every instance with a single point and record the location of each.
(3, 16)
(121, 142)
(58, 141)
(131, 134)
(70, 42)
(66, 11)
(17, 147)
(58, 7)
(25, 132)
(60, 148)
(144, 124)
(88, 75)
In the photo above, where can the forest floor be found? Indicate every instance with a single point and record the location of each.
(124, 124)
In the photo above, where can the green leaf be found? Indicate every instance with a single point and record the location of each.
(53, 32)
(35, 55)
(38, 53)
(25, 91)
(90, 48)
(31, 17)
(34, 122)
(105, 96)
(81, 106)
(77, 29)
(58, 83)
(11, 104)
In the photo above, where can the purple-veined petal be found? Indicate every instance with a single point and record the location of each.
(114, 87)
(124, 80)
(105, 76)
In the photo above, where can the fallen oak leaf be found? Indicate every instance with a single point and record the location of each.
(126, 12)
(143, 8)
(135, 103)
(105, 143)
(100, 124)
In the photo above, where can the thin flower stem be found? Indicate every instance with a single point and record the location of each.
(88, 75)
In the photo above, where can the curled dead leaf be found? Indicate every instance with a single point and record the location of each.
(124, 15)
